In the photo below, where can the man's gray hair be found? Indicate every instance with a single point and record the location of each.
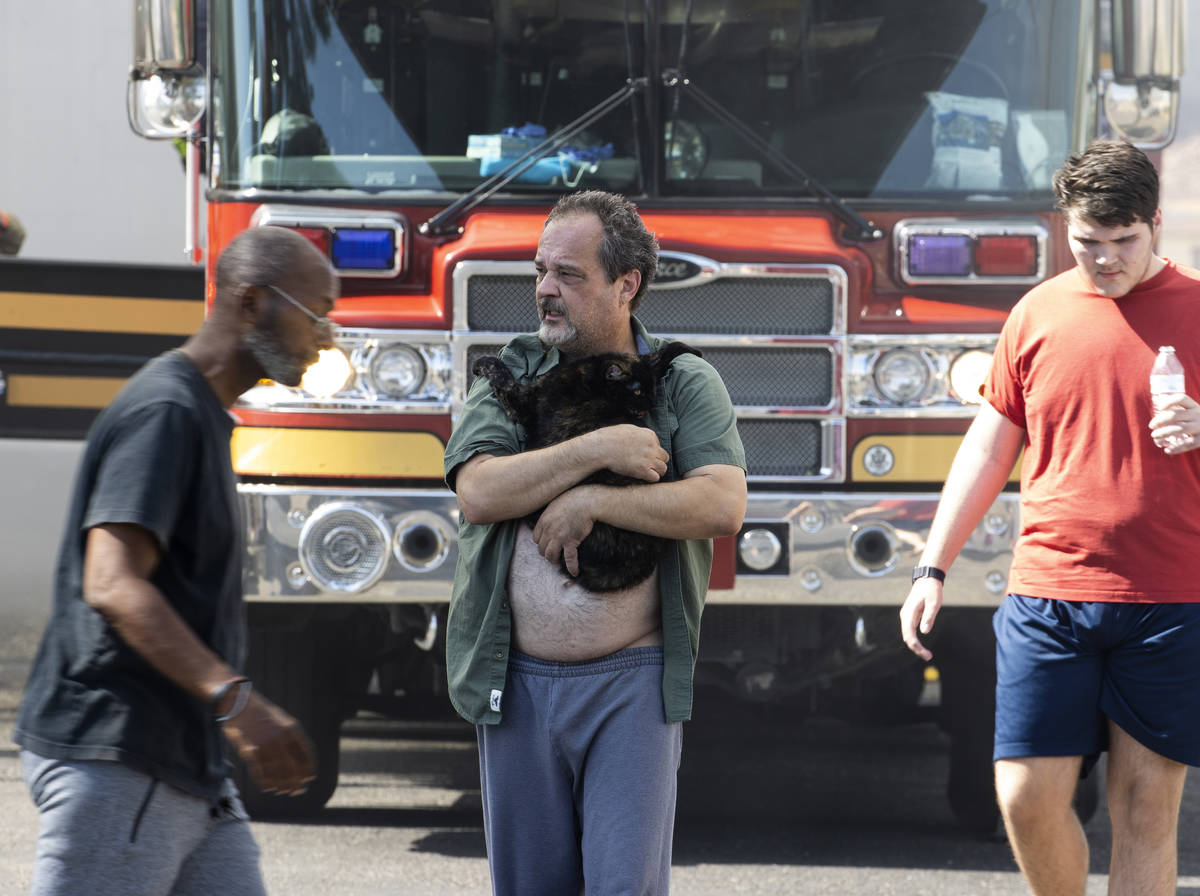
(627, 244)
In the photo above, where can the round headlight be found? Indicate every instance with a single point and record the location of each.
(328, 375)
(967, 374)
(397, 371)
(902, 376)
(343, 548)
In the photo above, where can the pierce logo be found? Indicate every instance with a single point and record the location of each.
(674, 268)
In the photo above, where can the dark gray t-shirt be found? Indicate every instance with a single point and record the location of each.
(157, 457)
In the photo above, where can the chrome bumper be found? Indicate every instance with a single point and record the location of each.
(400, 546)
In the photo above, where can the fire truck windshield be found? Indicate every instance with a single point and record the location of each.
(953, 99)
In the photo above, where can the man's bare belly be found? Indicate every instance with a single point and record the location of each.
(555, 619)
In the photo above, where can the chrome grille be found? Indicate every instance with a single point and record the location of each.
(774, 333)
(770, 376)
(751, 306)
(501, 303)
(782, 449)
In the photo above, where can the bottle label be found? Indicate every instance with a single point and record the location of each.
(1162, 383)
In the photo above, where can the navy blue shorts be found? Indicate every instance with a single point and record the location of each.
(1063, 668)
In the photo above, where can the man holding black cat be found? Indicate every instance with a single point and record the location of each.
(578, 697)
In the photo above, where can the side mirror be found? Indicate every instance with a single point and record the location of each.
(164, 35)
(1141, 102)
(1147, 41)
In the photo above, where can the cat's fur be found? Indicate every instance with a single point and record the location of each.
(577, 397)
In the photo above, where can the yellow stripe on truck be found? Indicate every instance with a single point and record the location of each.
(35, 391)
(104, 314)
(265, 451)
(912, 458)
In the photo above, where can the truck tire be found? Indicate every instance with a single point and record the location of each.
(967, 661)
(300, 671)
(966, 658)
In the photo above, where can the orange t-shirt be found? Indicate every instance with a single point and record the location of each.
(1105, 514)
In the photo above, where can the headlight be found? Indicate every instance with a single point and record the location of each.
(967, 374)
(397, 371)
(328, 375)
(902, 376)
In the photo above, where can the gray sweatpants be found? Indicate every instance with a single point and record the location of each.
(107, 830)
(579, 778)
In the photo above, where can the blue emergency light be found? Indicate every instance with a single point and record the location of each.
(365, 249)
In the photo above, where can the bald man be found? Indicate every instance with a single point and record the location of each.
(135, 691)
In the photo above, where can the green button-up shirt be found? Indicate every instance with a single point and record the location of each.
(695, 422)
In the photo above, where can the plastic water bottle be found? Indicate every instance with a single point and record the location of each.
(1166, 386)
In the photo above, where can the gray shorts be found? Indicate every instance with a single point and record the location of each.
(107, 830)
(579, 778)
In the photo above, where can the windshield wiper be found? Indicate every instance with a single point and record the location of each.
(446, 221)
(858, 228)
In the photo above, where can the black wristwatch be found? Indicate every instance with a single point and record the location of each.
(929, 572)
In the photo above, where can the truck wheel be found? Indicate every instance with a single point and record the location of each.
(966, 655)
(971, 788)
(1087, 796)
(296, 670)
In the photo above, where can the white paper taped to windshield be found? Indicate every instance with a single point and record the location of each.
(967, 132)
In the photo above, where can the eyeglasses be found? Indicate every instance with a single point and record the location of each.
(324, 325)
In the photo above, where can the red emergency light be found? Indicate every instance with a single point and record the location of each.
(937, 251)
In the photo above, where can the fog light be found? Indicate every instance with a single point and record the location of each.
(759, 549)
(343, 548)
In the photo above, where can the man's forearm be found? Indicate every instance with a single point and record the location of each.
(117, 565)
(979, 472)
(492, 488)
(708, 503)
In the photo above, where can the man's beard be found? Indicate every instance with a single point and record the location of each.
(276, 363)
(564, 333)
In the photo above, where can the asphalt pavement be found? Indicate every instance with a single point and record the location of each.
(767, 806)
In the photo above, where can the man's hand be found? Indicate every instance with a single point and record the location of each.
(633, 451)
(919, 612)
(564, 524)
(1175, 428)
(274, 747)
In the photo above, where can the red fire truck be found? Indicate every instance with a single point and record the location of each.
(849, 196)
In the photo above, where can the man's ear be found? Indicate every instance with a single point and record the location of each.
(630, 282)
(251, 302)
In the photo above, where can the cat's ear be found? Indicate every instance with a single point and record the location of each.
(664, 356)
(614, 371)
(491, 367)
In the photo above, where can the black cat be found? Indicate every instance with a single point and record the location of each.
(576, 397)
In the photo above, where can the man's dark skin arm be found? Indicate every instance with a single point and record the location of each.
(118, 562)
